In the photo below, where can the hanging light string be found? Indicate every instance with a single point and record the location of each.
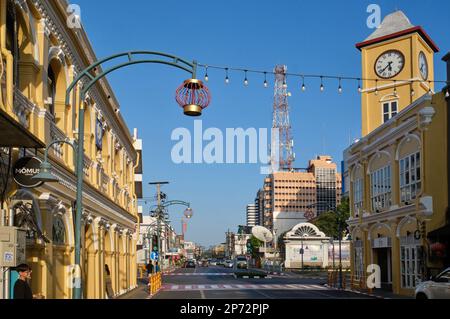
(317, 76)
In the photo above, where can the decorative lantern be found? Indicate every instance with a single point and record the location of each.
(188, 213)
(193, 96)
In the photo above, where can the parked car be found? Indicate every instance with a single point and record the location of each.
(436, 288)
(228, 264)
(190, 264)
(204, 263)
(241, 262)
(213, 262)
(220, 262)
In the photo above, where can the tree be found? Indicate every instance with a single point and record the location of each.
(255, 243)
(329, 222)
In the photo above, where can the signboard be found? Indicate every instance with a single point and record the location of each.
(24, 169)
(98, 134)
(154, 255)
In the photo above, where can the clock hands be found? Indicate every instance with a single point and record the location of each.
(387, 66)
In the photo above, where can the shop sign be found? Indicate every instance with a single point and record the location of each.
(24, 169)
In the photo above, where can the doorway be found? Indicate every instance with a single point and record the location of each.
(384, 260)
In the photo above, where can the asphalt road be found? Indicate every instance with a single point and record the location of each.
(216, 282)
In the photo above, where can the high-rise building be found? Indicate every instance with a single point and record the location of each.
(252, 215)
(289, 195)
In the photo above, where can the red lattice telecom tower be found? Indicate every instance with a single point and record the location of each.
(281, 120)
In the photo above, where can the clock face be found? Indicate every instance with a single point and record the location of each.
(423, 65)
(389, 64)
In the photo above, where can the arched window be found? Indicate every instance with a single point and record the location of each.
(12, 44)
(58, 231)
(51, 89)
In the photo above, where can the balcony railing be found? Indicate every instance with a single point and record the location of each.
(22, 108)
(57, 134)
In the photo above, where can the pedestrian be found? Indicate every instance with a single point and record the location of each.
(108, 283)
(156, 267)
(22, 289)
(149, 268)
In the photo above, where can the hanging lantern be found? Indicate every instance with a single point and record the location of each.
(193, 96)
(438, 249)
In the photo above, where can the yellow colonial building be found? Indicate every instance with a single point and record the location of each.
(42, 50)
(398, 169)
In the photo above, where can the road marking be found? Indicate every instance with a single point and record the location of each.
(203, 287)
(202, 294)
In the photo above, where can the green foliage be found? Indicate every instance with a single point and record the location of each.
(255, 243)
(329, 222)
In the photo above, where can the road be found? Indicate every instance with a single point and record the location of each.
(217, 282)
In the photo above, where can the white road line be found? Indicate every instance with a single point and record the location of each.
(201, 286)
(202, 294)
(227, 286)
(174, 287)
(214, 286)
(188, 287)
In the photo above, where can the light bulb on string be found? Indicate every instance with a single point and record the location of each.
(321, 85)
(412, 89)
(359, 86)
(206, 75)
(245, 80)
(227, 79)
(265, 80)
(447, 94)
(340, 86)
(429, 88)
(303, 84)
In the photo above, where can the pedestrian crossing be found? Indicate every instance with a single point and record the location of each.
(200, 274)
(173, 287)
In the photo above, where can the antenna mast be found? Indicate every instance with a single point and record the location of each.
(281, 120)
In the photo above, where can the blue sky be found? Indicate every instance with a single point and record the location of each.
(308, 36)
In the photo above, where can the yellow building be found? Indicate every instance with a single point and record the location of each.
(40, 56)
(398, 169)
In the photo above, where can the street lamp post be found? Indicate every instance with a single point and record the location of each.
(192, 95)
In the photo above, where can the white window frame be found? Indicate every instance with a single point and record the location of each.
(390, 113)
(358, 191)
(358, 259)
(410, 176)
(381, 188)
(409, 262)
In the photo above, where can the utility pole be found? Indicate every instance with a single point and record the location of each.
(159, 215)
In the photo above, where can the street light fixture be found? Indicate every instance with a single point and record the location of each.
(200, 98)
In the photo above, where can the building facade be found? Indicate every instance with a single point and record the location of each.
(252, 215)
(398, 169)
(40, 56)
(288, 195)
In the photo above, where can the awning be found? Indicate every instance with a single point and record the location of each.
(440, 232)
(13, 134)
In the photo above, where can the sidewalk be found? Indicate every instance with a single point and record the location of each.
(141, 292)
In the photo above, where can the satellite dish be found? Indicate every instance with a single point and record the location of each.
(262, 233)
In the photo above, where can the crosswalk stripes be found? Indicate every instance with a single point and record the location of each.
(171, 287)
(200, 274)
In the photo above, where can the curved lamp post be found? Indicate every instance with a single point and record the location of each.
(192, 95)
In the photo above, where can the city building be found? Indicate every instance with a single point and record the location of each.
(288, 195)
(252, 215)
(398, 170)
(40, 56)
(306, 246)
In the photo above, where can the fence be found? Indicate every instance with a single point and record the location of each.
(356, 283)
(154, 283)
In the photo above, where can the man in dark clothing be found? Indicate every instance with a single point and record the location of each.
(21, 288)
(149, 268)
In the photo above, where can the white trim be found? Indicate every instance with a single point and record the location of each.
(407, 219)
(377, 155)
(406, 139)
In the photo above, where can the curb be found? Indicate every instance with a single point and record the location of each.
(357, 292)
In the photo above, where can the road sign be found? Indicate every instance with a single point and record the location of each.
(154, 255)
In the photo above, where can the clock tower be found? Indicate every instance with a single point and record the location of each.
(394, 56)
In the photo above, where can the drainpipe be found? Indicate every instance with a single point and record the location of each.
(446, 59)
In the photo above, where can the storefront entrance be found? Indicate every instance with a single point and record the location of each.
(384, 260)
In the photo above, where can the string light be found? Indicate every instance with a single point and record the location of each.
(412, 90)
(206, 75)
(322, 77)
(227, 79)
(447, 94)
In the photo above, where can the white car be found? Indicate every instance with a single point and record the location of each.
(435, 288)
(228, 264)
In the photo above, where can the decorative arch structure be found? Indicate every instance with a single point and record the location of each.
(305, 230)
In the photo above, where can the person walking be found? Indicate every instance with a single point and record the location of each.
(149, 268)
(22, 289)
(108, 283)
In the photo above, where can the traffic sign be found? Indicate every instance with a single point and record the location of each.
(154, 255)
